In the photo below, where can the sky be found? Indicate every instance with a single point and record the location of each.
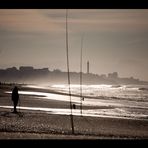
(114, 40)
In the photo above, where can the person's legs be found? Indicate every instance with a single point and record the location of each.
(15, 104)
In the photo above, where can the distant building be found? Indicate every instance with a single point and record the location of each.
(113, 75)
(26, 68)
(87, 67)
(43, 70)
(11, 69)
(57, 70)
(103, 76)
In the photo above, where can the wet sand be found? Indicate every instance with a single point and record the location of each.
(87, 127)
(30, 124)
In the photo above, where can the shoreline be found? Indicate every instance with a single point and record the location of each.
(51, 110)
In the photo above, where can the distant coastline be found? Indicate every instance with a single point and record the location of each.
(28, 74)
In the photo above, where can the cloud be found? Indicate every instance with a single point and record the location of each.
(79, 20)
(27, 21)
(101, 20)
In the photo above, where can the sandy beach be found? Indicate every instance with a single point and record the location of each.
(29, 124)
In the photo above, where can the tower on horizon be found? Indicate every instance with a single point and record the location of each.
(87, 67)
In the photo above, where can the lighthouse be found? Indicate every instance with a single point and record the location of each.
(87, 67)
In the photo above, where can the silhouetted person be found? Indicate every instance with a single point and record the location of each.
(15, 98)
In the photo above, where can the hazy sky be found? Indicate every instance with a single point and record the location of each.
(114, 40)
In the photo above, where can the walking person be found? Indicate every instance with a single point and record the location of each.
(15, 98)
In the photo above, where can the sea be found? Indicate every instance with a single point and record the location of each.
(112, 101)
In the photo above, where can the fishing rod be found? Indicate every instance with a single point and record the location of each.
(67, 55)
(81, 97)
